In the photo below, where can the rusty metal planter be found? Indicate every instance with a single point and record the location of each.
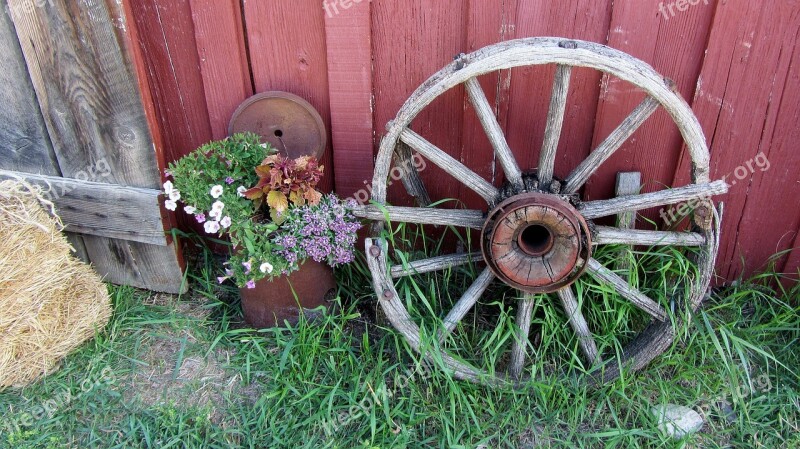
(286, 298)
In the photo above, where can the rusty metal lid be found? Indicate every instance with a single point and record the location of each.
(289, 123)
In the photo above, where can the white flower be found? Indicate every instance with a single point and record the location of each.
(225, 222)
(215, 214)
(266, 267)
(216, 191)
(170, 205)
(218, 206)
(168, 187)
(264, 145)
(240, 190)
(175, 195)
(211, 227)
(190, 210)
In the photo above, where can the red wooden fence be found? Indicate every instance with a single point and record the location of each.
(357, 61)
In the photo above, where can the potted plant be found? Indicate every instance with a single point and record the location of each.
(285, 234)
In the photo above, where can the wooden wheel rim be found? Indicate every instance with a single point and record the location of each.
(658, 335)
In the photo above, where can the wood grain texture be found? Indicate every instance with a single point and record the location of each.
(466, 302)
(411, 41)
(456, 169)
(674, 46)
(24, 142)
(348, 36)
(637, 298)
(605, 235)
(531, 87)
(223, 60)
(605, 208)
(288, 52)
(555, 123)
(522, 329)
(84, 88)
(92, 208)
(169, 52)
(628, 183)
(435, 264)
(748, 102)
(579, 324)
(445, 217)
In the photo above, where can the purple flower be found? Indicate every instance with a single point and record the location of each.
(221, 279)
(201, 218)
(247, 267)
(251, 284)
(229, 180)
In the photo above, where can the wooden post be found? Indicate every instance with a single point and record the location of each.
(628, 183)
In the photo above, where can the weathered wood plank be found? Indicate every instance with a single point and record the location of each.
(555, 122)
(220, 38)
(637, 298)
(692, 192)
(24, 143)
(435, 264)
(579, 324)
(85, 89)
(466, 302)
(523, 327)
(459, 172)
(628, 183)
(445, 217)
(748, 99)
(530, 88)
(350, 91)
(611, 144)
(605, 235)
(489, 122)
(100, 209)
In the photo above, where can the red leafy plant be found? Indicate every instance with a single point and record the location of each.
(282, 180)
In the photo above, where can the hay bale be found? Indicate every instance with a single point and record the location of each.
(50, 302)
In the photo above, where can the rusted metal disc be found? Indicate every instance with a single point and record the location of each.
(536, 242)
(289, 123)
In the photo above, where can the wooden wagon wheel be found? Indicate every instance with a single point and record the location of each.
(537, 235)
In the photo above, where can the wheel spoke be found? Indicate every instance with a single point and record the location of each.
(578, 323)
(690, 193)
(523, 327)
(494, 132)
(606, 235)
(613, 142)
(445, 217)
(633, 295)
(555, 121)
(447, 163)
(466, 302)
(434, 264)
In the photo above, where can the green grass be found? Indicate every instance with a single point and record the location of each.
(184, 372)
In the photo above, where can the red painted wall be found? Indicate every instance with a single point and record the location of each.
(736, 62)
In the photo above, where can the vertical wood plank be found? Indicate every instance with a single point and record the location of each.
(488, 22)
(350, 91)
(412, 40)
(628, 183)
(531, 87)
(224, 65)
(169, 52)
(24, 143)
(92, 113)
(748, 102)
(674, 46)
(288, 53)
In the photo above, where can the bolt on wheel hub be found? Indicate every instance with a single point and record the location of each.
(536, 242)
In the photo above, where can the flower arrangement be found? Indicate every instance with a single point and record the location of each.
(266, 203)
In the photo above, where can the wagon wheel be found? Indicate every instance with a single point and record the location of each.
(538, 235)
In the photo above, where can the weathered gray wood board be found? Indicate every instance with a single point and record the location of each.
(93, 115)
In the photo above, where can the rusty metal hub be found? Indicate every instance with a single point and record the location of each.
(536, 242)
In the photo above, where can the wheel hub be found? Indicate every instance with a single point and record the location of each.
(536, 242)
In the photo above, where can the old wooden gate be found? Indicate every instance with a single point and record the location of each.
(72, 121)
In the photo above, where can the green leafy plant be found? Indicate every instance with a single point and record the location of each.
(241, 188)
